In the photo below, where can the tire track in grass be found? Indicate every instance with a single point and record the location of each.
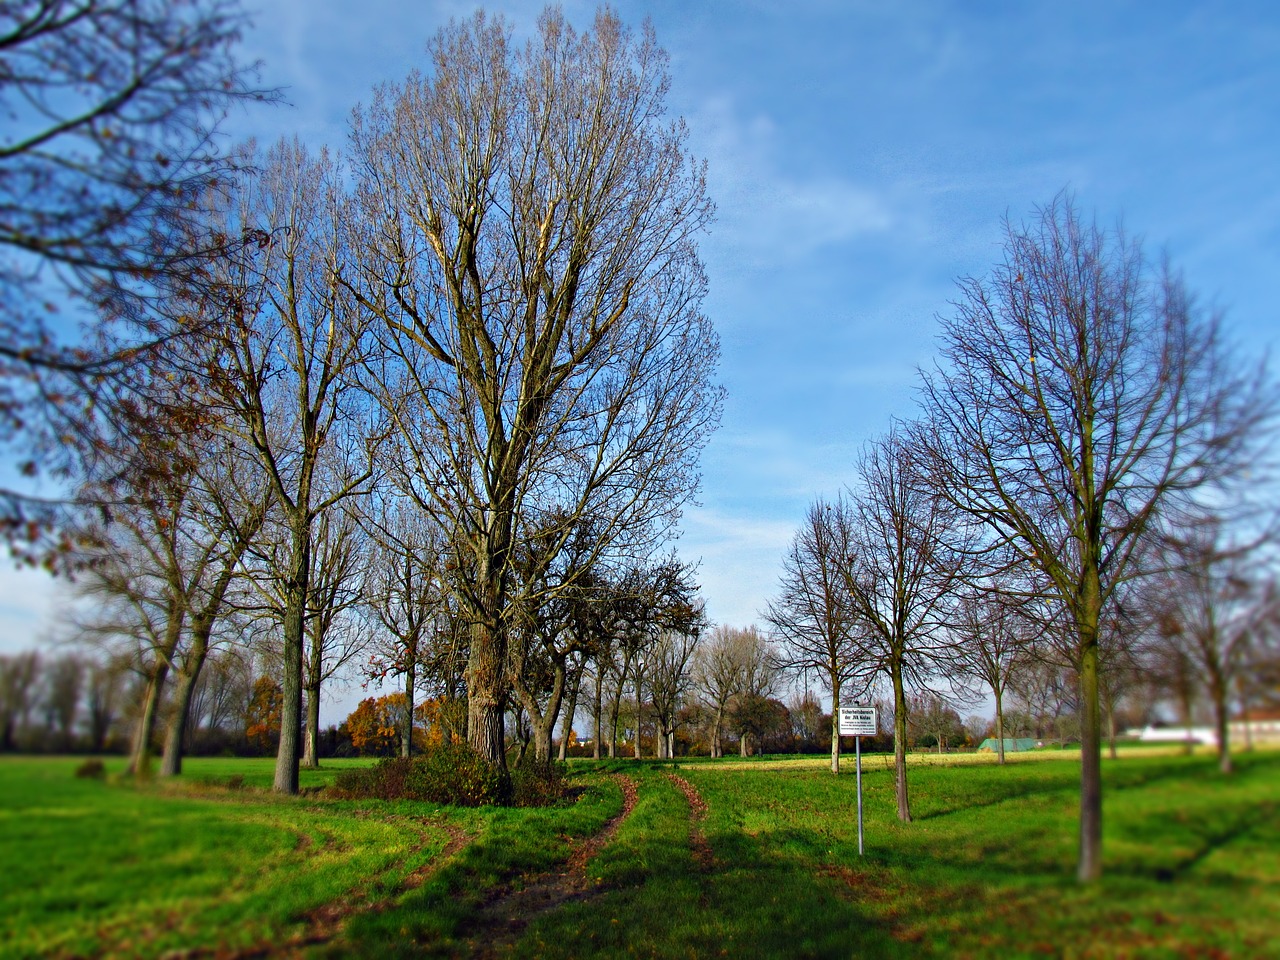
(703, 858)
(494, 930)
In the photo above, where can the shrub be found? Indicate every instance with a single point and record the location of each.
(453, 773)
(449, 773)
(91, 769)
(535, 784)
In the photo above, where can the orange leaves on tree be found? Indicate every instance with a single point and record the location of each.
(262, 720)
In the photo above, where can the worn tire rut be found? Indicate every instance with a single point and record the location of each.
(495, 928)
(703, 858)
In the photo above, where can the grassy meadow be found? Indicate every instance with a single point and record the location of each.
(691, 859)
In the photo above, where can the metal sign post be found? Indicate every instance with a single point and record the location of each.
(858, 722)
(857, 749)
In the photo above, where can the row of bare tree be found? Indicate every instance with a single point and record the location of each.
(89, 701)
(1087, 486)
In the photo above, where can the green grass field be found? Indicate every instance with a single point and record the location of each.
(686, 860)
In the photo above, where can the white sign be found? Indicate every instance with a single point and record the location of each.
(858, 721)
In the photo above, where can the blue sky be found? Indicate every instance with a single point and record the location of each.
(862, 156)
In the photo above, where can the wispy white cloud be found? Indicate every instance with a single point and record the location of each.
(740, 556)
(766, 213)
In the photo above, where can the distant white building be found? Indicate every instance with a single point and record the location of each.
(1150, 734)
(1254, 727)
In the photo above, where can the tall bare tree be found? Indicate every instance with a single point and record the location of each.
(752, 711)
(813, 616)
(231, 513)
(1082, 397)
(530, 223)
(670, 678)
(404, 594)
(288, 339)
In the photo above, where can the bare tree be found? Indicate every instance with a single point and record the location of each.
(104, 692)
(530, 220)
(718, 676)
(287, 340)
(230, 518)
(744, 664)
(993, 641)
(931, 716)
(404, 594)
(63, 686)
(813, 617)
(334, 634)
(1083, 397)
(670, 683)
(903, 566)
(19, 682)
(1209, 606)
(111, 108)
(146, 569)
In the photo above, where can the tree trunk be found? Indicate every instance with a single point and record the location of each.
(639, 709)
(835, 725)
(486, 695)
(571, 709)
(1090, 865)
(1000, 726)
(201, 628)
(1111, 731)
(140, 756)
(171, 762)
(900, 742)
(599, 715)
(311, 738)
(296, 591)
(1222, 717)
(410, 680)
(542, 720)
(315, 667)
(615, 709)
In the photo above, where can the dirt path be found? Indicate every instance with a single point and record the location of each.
(494, 930)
